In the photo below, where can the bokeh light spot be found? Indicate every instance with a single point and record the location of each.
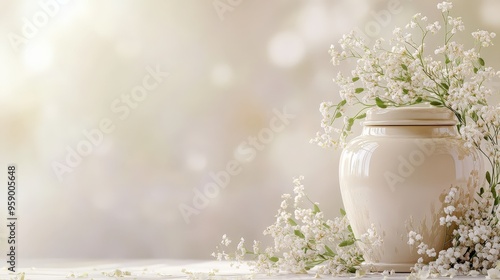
(222, 75)
(286, 49)
(37, 56)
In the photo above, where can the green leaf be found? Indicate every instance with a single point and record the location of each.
(405, 91)
(474, 116)
(274, 259)
(298, 233)
(330, 251)
(349, 228)
(475, 70)
(316, 208)
(418, 100)
(342, 103)
(338, 115)
(346, 243)
(481, 61)
(436, 103)
(362, 116)
(404, 67)
(355, 79)
(359, 90)
(488, 177)
(447, 59)
(292, 222)
(380, 103)
(445, 86)
(350, 122)
(342, 212)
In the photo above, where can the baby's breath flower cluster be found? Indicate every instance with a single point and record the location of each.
(304, 239)
(405, 71)
(475, 240)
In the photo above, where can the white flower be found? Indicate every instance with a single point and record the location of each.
(284, 204)
(225, 241)
(450, 196)
(484, 37)
(256, 245)
(412, 24)
(445, 6)
(424, 273)
(335, 55)
(449, 209)
(456, 23)
(240, 246)
(473, 273)
(493, 273)
(433, 27)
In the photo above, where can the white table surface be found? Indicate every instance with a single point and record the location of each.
(150, 269)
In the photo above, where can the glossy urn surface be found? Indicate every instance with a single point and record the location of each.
(396, 175)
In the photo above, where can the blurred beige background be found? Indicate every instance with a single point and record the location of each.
(231, 65)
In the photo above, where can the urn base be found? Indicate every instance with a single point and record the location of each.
(397, 267)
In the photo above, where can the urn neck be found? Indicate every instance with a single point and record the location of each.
(412, 131)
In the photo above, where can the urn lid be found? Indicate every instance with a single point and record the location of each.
(410, 116)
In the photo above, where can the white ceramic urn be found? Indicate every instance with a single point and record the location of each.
(396, 174)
